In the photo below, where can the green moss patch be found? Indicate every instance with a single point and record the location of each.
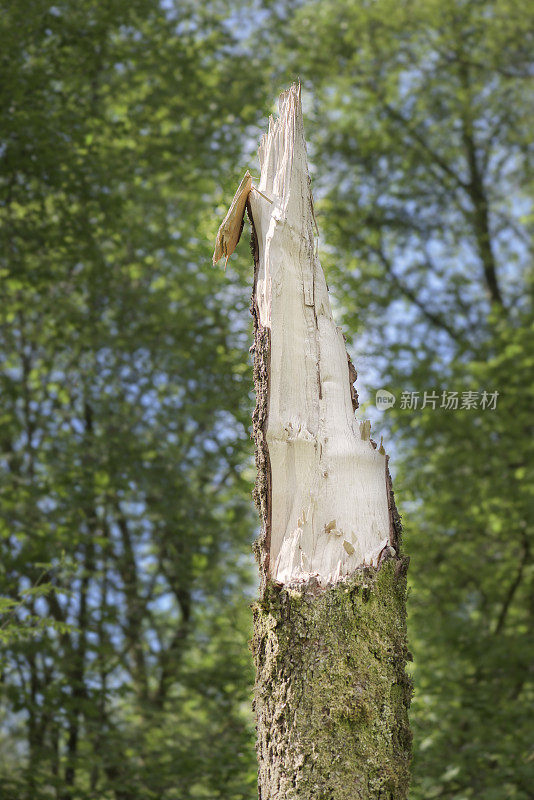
(332, 694)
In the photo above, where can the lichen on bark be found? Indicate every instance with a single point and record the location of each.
(331, 694)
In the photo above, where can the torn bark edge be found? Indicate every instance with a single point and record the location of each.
(261, 350)
(395, 522)
(353, 375)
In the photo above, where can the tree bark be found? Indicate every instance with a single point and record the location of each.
(331, 693)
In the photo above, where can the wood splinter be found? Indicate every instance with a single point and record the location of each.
(229, 232)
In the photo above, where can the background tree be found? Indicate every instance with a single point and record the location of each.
(422, 146)
(124, 390)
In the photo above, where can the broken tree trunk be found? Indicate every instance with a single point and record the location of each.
(331, 694)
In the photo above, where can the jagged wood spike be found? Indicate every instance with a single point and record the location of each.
(321, 466)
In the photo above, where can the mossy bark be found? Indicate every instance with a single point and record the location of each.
(332, 695)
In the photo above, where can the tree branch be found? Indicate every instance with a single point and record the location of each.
(514, 586)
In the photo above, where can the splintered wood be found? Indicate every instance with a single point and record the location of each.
(329, 485)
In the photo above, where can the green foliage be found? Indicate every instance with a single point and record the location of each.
(470, 487)
(124, 492)
(17, 622)
(422, 113)
(124, 423)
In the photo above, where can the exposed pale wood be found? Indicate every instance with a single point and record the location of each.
(329, 492)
